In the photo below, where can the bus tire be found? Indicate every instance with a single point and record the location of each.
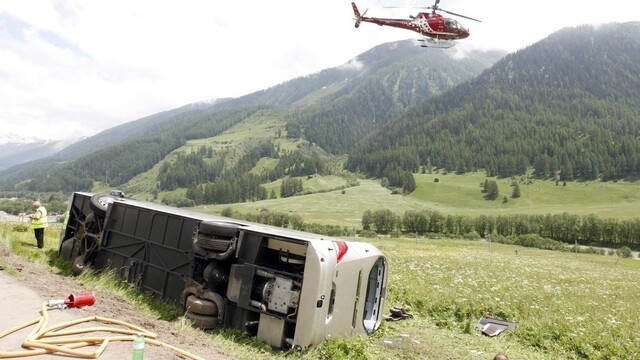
(202, 321)
(78, 265)
(199, 306)
(218, 228)
(212, 243)
(99, 203)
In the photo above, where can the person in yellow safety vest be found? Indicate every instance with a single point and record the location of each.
(39, 222)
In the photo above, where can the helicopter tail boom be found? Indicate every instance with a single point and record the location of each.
(357, 14)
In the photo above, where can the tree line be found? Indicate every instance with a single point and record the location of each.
(291, 221)
(583, 229)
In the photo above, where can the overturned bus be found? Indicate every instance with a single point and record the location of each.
(289, 289)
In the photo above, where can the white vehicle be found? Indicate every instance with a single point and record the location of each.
(288, 288)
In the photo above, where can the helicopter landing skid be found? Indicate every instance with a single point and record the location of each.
(436, 43)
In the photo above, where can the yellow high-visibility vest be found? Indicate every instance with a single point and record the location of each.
(42, 222)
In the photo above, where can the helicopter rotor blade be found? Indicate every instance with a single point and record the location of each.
(460, 15)
(434, 8)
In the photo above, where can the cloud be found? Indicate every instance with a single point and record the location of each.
(84, 66)
(352, 64)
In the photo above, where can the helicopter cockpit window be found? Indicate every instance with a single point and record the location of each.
(451, 24)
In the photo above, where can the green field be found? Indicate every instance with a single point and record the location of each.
(564, 305)
(460, 194)
(452, 194)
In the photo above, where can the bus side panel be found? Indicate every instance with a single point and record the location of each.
(148, 248)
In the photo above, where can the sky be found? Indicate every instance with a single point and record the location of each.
(71, 68)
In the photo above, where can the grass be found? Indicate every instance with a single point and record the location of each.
(21, 241)
(333, 207)
(460, 194)
(580, 307)
(453, 194)
(565, 306)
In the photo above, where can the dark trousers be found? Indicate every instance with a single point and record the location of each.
(39, 237)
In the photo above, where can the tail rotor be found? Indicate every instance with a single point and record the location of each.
(358, 17)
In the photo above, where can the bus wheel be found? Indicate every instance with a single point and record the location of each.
(201, 306)
(78, 265)
(99, 203)
(202, 321)
(218, 228)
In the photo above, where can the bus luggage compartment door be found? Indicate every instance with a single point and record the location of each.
(148, 248)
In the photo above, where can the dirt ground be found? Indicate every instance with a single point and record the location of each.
(24, 286)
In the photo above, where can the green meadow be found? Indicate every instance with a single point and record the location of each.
(332, 202)
(565, 305)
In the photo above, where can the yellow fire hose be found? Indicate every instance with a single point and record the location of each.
(45, 340)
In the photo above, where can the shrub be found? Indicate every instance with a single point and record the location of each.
(228, 212)
(185, 203)
(624, 252)
(20, 227)
(368, 234)
(537, 241)
(473, 235)
(587, 250)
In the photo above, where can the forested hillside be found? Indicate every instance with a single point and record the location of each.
(131, 131)
(383, 83)
(334, 108)
(566, 106)
(115, 165)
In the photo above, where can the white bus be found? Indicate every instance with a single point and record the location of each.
(289, 289)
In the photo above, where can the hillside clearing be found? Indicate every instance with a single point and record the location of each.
(452, 194)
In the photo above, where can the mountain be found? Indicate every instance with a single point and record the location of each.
(16, 149)
(133, 129)
(349, 101)
(565, 106)
(377, 87)
(24, 168)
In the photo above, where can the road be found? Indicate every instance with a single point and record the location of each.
(19, 304)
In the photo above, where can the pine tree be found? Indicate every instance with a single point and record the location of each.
(516, 190)
(491, 189)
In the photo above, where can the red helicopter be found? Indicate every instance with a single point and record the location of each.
(437, 30)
